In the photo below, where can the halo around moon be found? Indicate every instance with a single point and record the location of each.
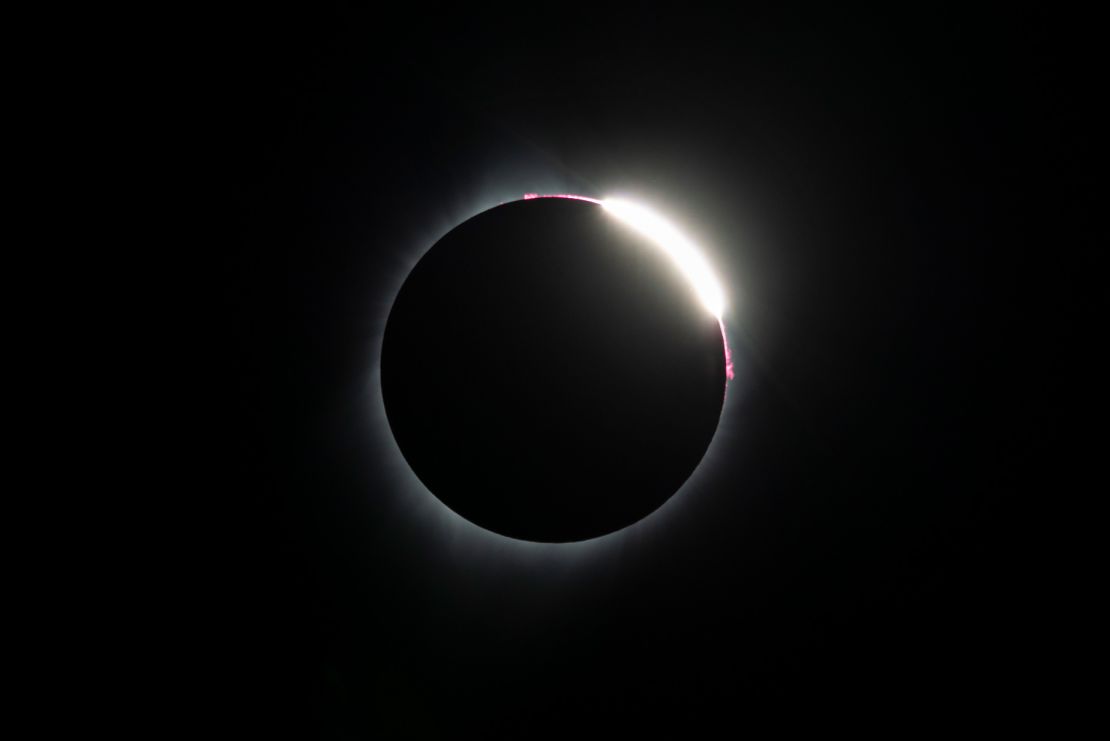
(548, 378)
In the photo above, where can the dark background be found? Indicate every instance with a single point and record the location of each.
(891, 201)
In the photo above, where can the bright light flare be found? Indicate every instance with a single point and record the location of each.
(685, 255)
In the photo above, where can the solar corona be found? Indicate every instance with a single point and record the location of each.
(554, 368)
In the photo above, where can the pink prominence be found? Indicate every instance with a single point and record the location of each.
(724, 338)
(728, 353)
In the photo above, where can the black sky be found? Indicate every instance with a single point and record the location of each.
(878, 192)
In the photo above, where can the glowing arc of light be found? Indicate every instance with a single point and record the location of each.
(686, 256)
(682, 251)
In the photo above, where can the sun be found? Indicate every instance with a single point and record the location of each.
(456, 532)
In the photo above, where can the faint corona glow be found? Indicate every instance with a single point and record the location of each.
(458, 542)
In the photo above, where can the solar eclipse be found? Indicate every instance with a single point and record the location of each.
(554, 368)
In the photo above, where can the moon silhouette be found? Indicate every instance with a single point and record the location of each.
(549, 374)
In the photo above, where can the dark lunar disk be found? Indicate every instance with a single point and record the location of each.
(549, 374)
